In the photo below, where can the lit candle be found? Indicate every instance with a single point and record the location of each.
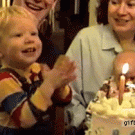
(122, 82)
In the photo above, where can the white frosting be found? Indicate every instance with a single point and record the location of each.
(111, 107)
(108, 115)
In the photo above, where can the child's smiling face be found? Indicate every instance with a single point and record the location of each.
(20, 45)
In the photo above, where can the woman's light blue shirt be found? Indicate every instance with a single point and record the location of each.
(94, 49)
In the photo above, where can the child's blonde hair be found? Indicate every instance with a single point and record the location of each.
(7, 12)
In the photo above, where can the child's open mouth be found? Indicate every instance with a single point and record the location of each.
(29, 50)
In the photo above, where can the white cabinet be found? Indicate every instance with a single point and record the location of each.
(4, 3)
(92, 12)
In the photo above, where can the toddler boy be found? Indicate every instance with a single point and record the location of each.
(26, 87)
(110, 87)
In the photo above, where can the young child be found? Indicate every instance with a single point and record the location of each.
(111, 86)
(106, 101)
(41, 10)
(26, 87)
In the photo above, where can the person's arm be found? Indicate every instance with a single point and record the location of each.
(15, 101)
(61, 75)
(62, 96)
(26, 111)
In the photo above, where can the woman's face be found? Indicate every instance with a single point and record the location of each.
(121, 15)
(40, 8)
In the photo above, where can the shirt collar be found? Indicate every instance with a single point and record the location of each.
(35, 68)
(110, 40)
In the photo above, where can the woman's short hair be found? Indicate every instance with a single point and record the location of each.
(7, 12)
(102, 11)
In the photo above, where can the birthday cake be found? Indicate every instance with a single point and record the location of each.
(105, 116)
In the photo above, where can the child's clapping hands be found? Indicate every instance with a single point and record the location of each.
(60, 75)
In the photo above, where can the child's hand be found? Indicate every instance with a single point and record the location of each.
(62, 74)
(66, 68)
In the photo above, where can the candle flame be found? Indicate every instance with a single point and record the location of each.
(125, 68)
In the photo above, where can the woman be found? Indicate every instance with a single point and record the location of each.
(40, 8)
(94, 49)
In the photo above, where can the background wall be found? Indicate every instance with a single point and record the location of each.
(73, 18)
(68, 23)
(92, 12)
